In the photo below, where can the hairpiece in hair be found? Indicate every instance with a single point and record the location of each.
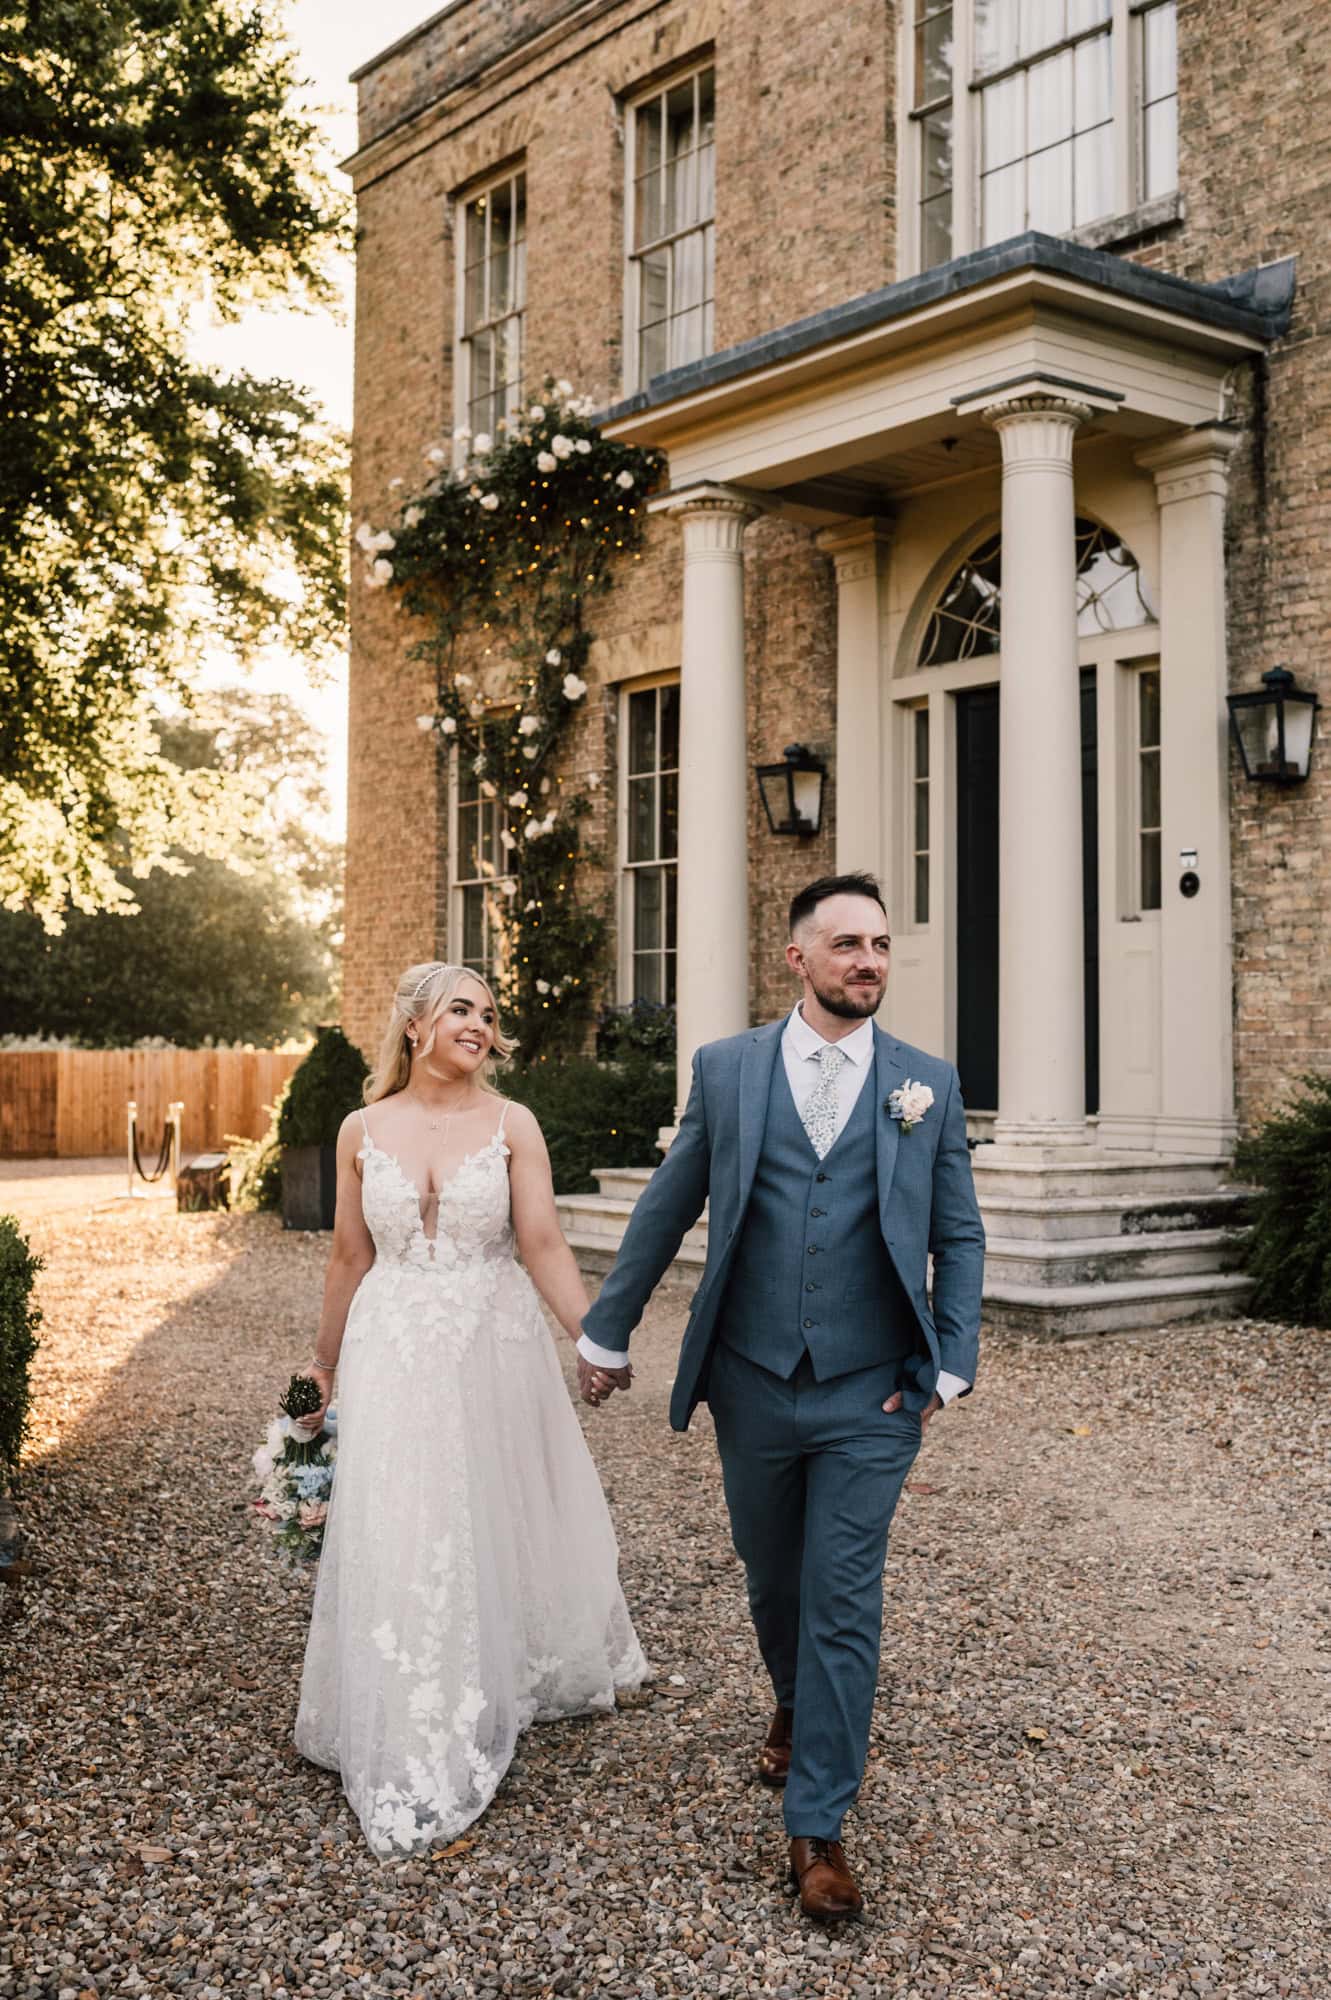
(430, 973)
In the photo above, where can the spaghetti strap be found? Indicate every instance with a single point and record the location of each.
(499, 1128)
(364, 1126)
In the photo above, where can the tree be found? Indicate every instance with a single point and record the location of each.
(234, 944)
(150, 509)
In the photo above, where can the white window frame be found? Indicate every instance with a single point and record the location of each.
(1136, 830)
(1126, 33)
(627, 869)
(632, 106)
(458, 883)
(514, 172)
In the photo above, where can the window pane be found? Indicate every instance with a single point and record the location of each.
(922, 817)
(475, 248)
(1159, 53)
(1148, 719)
(1042, 24)
(706, 134)
(467, 855)
(936, 148)
(995, 35)
(1048, 101)
(670, 877)
(473, 296)
(921, 888)
(936, 231)
(670, 816)
(670, 728)
(654, 294)
(1003, 108)
(686, 336)
(1161, 164)
(933, 57)
(647, 910)
(1150, 790)
(1150, 881)
(652, 351)
(922, 751)
(642, 819)
(647, 979)
(1092, 175)
(642, 732)
(647, 165)
(680, 193)
(706, 204)
(473, 926)
(1095, 82)
(1087, 14)
(1049, 200)
(1004, 207)
(649, 224)
(687, 274)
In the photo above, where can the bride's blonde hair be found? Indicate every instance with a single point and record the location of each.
(422, 993)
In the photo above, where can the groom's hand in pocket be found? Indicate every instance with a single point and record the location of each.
(595, 1384)
(935, 1402)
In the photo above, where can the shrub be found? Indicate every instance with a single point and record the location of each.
(256, 1164)
(596, 1114)
(19, 1320)
(1289, 1251)
(642, 1028)
(325, 1087)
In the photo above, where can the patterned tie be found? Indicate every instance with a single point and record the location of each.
(818, 1115)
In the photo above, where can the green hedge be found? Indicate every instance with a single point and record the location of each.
(325, 1087)
(595, 1114)
(1289, 1251)
(19, 1320)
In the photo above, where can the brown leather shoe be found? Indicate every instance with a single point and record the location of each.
(827, 1888)
(774, 1757)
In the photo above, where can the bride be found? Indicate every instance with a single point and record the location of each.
(468, 1584)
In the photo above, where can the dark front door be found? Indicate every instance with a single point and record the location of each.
(977, 894)
(977, 897)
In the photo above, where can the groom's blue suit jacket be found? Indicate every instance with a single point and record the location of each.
(926, 1206)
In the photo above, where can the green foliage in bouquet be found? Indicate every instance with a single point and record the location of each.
(500, 559)
(327, 1085)
(596, 1114)
(19, 1320)
(1289, 1251)
(301, 1400)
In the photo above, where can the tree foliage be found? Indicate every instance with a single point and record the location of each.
(150, 508)
(231, 943)
(1289, 1250)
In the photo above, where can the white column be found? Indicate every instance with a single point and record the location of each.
(859, 550)
(712, 975)
(1196, 969)
(1041, 1033)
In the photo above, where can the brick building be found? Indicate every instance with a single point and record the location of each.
(984, 341)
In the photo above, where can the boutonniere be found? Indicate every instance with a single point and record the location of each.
(909, 1104)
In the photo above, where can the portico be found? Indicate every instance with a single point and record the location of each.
(1017, 465)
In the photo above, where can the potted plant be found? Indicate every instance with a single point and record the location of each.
(327, 1085)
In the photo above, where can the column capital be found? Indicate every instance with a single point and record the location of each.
(713, 517)
(1191, 465)
(858, 547)
(1036, 427)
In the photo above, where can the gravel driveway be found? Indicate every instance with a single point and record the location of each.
(1101, 1756)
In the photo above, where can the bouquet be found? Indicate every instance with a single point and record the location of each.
(294, 1468)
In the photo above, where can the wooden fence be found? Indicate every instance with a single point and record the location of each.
(70, 1103)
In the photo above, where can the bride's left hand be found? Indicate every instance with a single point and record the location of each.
(323, 1381)
(595, 1384)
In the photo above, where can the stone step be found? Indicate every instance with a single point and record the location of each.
(622, 1183)
(599, 1215)
(1068, 1312)
(1000, 1174)
(1109, 1259)
(596, 1253)
(1130, 1215)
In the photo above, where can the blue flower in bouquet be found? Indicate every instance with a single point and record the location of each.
(313, 1482)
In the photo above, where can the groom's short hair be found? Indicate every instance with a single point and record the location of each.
(806, 901)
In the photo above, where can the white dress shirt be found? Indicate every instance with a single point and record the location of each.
(801, 1047)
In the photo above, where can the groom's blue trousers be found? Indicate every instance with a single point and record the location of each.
(812, 1473)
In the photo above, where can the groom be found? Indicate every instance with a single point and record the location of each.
(835, 1162)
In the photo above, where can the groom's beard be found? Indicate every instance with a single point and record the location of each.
(852, 1003)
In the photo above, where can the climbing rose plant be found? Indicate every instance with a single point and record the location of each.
(499, 558)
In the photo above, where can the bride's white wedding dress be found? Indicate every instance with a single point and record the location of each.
(468, 1584)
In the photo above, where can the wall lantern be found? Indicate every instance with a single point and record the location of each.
(1273, 726)
(792, 791)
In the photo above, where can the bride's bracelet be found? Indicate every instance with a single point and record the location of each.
(329, 1366)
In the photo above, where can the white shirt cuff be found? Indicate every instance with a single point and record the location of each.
(607, 1357)
(948, 1387)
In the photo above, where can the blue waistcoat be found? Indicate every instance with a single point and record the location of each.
(811, 1273)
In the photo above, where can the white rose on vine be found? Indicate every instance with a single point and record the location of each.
(482, 442)
(413, 517)
(546, 462)
(528, 725)
(624, 480)
(553, 657)
(517, 798)
(448, 725)
(561, 446)
(537, 413)
(425, 722)
(563, 390)
(489, 501)
(584, 445)
(574, 688)
(529, 751)
(543, 986)
(378, 574)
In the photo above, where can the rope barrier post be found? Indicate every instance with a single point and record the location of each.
(176, 1113)
(131, 1119)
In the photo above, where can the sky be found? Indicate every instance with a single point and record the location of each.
(331, 38)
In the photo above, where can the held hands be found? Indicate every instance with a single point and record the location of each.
(595, 1384)
(935, 1402)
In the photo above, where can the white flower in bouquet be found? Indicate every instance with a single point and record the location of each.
(546, 462)
(561, 446)
(574, 687)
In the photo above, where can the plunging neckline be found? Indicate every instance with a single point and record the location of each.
(407, 1180)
